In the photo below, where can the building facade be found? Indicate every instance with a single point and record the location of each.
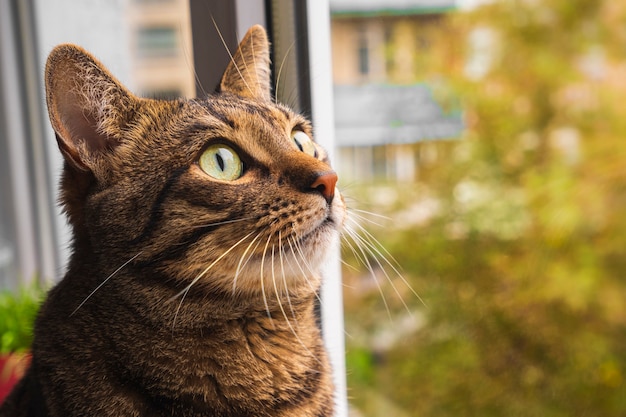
(161, 48)
(385, 114)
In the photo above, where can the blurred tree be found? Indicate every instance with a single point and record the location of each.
(523, 263)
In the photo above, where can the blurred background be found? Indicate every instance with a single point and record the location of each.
(482, 150)
(510, 226)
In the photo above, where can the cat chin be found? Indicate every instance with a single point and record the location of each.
(289, 268)
(275, 281)
(268, 262)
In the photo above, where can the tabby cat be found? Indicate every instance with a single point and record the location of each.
(199, 230)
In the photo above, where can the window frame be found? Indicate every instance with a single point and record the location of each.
(30, 186)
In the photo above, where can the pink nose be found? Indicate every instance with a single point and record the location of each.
(325, 184)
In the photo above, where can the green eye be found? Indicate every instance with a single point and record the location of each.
(304, 143)
(221, 162)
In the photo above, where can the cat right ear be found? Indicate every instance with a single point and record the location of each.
(248, 72)
(88, 107)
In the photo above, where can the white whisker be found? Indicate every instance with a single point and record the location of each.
(184, 291)
(105, 281)
(368, 244)
(243, 261)
(187, 54)
(361, 217)
(307, 264)
(267, 307)
(375, 245)
(232, 59)
(282, 269)
(373, 252)
(369, 267)
(280, 69)
(347, 265)
(370, 213)
(349, 232)
(208, 268)
(295, 258)
(282, 309)
(304, 260)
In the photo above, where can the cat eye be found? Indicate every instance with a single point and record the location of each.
(221, 162)
(304, 143)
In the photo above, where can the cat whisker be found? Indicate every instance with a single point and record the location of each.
(304, 260)
(369, 213)
(375, 245)
(347, 238)
(282, 269)
(280, 69)
(295, 258)
(364, 241)
(243, 260)
(282, 309)
(184, 291)
(232, 59)
(267, 307)
(292, 99)
(208, 268)
(307, 264)
(374, 252)
(361, 217)
(364, 259)
(187, 54)
(378, 252)
(105, 281)
(347, 265)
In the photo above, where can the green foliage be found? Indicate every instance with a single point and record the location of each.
(522, 265)
(18, 311)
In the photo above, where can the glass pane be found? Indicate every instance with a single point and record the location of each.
(8, 249)
(509, 227)
(393, 129)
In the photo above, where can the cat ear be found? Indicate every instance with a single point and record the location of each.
(248, 73)
(88, 107)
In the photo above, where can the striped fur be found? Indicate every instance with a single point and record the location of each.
(185, 295)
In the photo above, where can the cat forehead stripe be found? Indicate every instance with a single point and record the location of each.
(212, 113)
(220, 114)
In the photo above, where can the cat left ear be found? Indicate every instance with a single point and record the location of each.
(88, 107)
(248, 73)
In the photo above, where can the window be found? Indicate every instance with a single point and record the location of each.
(157, 41)
(8, 252)
(363, 53)
(163, 94)
(28, 228)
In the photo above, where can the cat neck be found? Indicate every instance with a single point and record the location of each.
(163, 302)
(258, 357)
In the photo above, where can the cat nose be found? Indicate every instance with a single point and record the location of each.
(325, 184)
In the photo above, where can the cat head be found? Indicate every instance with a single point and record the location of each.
(226, 193)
